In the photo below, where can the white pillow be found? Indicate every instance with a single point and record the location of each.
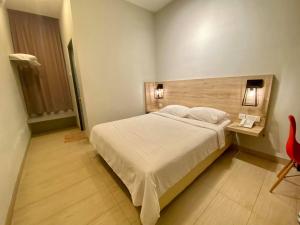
(176, 110)
(207, 114)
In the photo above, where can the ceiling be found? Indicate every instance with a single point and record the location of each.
(50, 8)
(151, 5)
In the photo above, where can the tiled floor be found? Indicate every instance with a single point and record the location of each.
(69, 184)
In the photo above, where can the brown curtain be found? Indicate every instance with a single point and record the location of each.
(45, 88)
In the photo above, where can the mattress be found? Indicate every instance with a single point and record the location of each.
(152, 152)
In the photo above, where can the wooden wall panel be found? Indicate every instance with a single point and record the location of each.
(150, 101)
(224, 93)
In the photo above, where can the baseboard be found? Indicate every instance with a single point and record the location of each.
(52, 125)
(272, 158)
(10, 212)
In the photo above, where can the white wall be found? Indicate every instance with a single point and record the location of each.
(232, 37)
(115, 49)
(66, 22)
(66, 32)
(14, 133)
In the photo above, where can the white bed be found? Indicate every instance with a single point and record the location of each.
(152, 152)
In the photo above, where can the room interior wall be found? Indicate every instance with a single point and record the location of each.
(66, 30)
(14, 132)
(210, 38)
(115, 48)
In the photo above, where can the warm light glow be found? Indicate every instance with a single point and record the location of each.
(251, 93)
(159, 93)
(250, 98)
(205, 32)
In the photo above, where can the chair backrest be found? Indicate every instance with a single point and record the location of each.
(292, 146)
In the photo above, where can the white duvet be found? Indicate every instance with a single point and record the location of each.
(151, 153)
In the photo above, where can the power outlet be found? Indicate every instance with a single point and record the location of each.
(242, 116)
(245, 116)
(255, 118)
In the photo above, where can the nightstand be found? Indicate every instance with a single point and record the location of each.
(254, 131)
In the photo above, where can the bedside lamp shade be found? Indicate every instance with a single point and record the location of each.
(250, 96)
(159, 91)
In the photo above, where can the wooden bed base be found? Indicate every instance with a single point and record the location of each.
(181, 185)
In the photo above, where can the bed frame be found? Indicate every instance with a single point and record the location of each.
(224, 93)
(181, 185)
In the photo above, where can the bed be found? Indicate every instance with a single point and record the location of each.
(157, 155)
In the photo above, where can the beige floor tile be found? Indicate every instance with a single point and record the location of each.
(187, 207)
(30, 194)
(120, 193)
(265, 220)
(286, 191)
(34, 160)
(59, 167)
(223, 211)
(244, 182)
(50, 140)
(132, 213)
(275, 208)
(45, 173)
(114, 216)
(33, 213)
(84, 211)
(41, 176)
(66, 153)
(69, 184)
(293, 182)
(215, 175)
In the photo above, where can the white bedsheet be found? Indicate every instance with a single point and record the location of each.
(151, 153)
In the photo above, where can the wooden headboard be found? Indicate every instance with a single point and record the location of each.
(224, 93)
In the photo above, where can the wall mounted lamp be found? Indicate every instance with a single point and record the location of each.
(159, 91)
(250, 96)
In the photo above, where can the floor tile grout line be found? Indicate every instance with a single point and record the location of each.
(72, 203)
(220, 192)
(119, 205)
(265, 177)
(225, 194)
(238, 203)
(217, 192)
(65, 188)
(35, 165)
(102, 214)
(133, 220)
(205, 209)
(117, 202)
(71, 171)
(44, 219)
(37, 151)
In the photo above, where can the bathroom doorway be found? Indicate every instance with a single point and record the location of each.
(76, 86)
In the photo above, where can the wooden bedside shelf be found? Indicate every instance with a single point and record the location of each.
(254, 131)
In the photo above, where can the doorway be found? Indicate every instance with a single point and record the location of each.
(76, 85)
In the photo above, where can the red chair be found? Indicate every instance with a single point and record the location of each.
(293, 151)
